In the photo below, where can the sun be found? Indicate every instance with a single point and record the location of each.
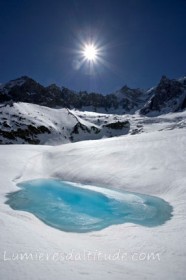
(90, 52)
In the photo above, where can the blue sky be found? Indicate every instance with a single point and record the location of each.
(140, 41)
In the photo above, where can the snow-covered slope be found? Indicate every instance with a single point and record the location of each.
(153, 163)
(29, 123)
(23, 123)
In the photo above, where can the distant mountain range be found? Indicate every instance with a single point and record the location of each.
(34, 114)
(168, 96)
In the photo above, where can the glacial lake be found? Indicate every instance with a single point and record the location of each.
(79, 208)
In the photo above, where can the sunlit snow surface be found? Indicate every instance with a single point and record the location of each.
(79, 208)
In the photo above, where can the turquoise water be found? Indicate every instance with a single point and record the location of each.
(78, 208)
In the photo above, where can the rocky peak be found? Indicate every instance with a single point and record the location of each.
(54, 90)
(169, 87)
(124, 88)
(168, 96)
(164, 80)
(53, 87)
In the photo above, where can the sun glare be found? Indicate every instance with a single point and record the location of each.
(90, 52)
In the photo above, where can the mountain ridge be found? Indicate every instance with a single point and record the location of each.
(168, 96)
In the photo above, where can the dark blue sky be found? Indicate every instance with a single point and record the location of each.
(140, 41)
